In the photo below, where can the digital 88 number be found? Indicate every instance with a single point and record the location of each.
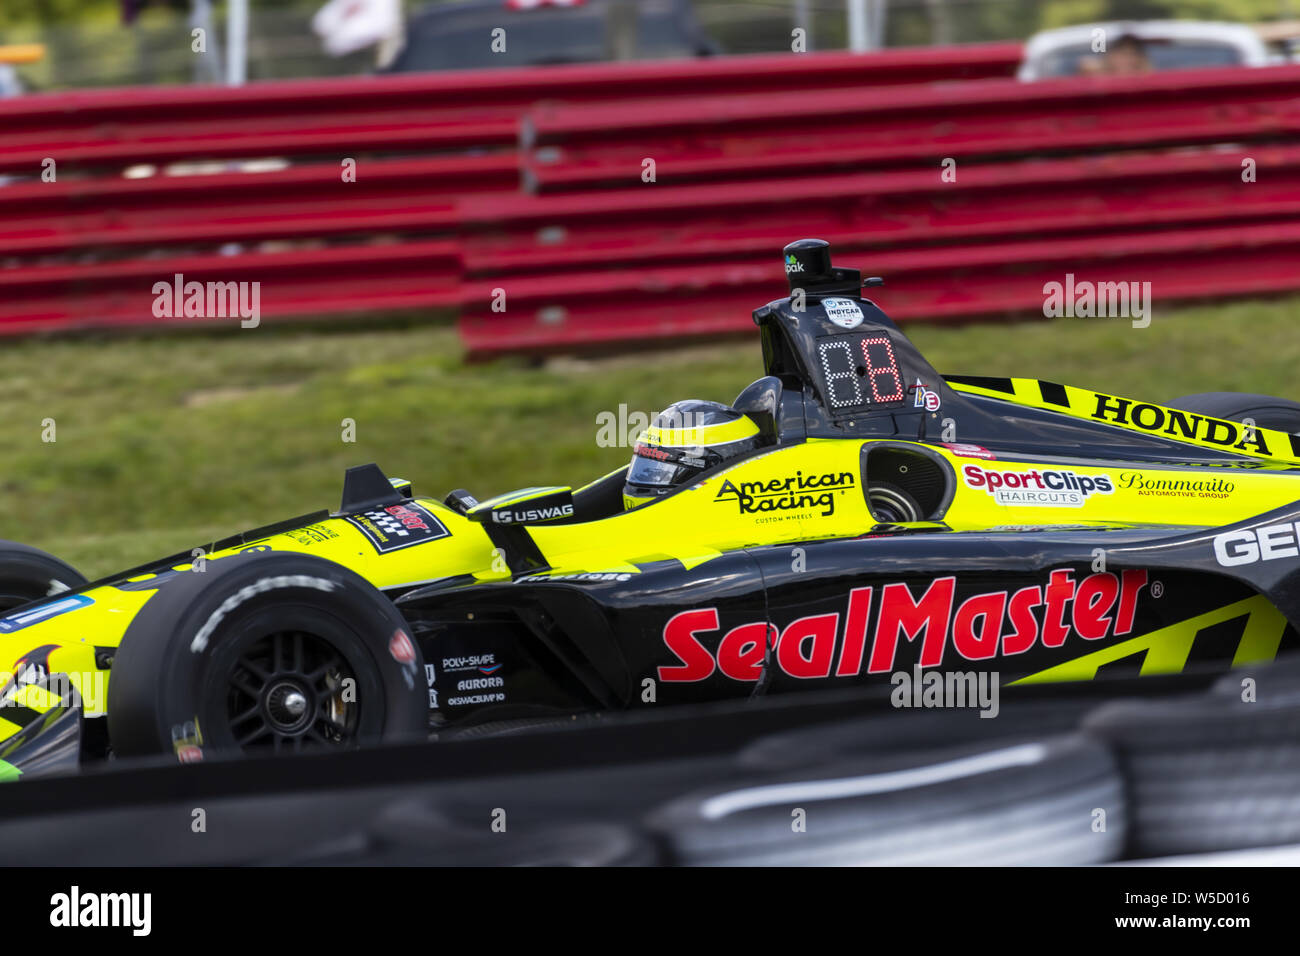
(846, 361)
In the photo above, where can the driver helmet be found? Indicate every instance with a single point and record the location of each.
(685, 439)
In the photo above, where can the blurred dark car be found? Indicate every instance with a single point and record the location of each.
(458, 36)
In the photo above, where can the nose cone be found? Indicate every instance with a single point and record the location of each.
(807, 262)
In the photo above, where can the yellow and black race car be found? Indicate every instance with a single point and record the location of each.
(853, 514)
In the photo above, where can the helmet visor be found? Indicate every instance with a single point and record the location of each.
(648, 473)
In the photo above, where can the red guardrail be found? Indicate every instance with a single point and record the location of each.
(585, 310)
(299, 202)
(301, 283)
(420, 111)
(530, 182)
(745, 137)
(875, 210)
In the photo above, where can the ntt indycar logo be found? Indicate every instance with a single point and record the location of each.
(1035, 488)
(868, 630)
(797, 493)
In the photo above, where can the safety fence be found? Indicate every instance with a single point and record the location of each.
(590, 206)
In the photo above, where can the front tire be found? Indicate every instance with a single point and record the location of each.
(265, 653)
(28, 574)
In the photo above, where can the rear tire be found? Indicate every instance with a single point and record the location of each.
(254, 654)
(28, 574)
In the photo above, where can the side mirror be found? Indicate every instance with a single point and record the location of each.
(761, 401)
(526, 506)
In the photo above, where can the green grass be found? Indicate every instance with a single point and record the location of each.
(165, 443)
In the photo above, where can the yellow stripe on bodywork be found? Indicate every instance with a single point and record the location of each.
(1168, 647)
(1084, 403)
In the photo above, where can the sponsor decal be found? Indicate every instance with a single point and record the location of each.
(43, 612)
(476, 687)
(1172, 423)
(187, 741)
(868, 630)
(792, 265)
(1269, 543)
(649, 451)
(1047, 488)
(965, 450)
(400, 646)
(476, 699)
(398, 526)
(1041, 527)
(312, 534)
(925, 397)
(845, 313)
(480, 683)
(474, 662)
(1170, 487)
(594, 576)
(522, 515)
(800, 492)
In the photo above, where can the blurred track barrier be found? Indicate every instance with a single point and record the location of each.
(296, 202)
(474, 109)
(969, 198)
(338, 196)
(978, 280)
(302, 283)
(751, 136)
(529, 189)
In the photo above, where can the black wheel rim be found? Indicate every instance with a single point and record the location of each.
(893, 507)
(289, 692)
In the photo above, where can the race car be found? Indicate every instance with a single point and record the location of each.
(851, 515)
